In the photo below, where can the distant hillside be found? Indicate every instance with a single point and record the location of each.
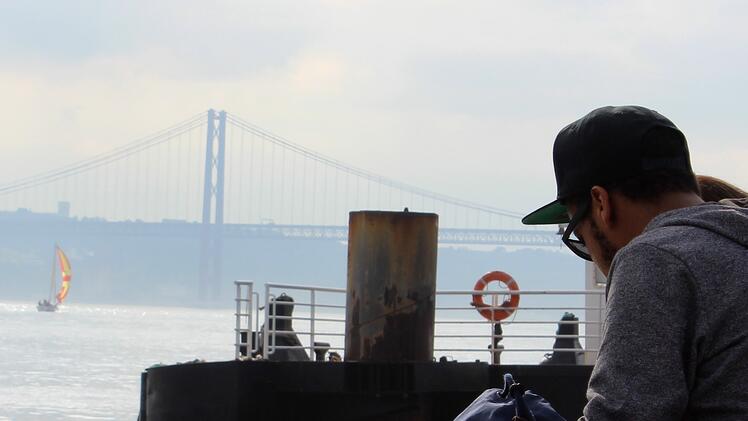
(536, 269)
(164, 271)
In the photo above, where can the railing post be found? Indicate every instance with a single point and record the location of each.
(494, 304)
(256, 346)
(244, 323)
(266, 335)
(311, 327)
(250, 329)
(238, 330)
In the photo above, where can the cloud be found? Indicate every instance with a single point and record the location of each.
(318, 74)
(461, 100)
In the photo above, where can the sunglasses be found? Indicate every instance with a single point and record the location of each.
(576, 245)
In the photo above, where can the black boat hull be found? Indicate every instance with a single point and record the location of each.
(265, 390)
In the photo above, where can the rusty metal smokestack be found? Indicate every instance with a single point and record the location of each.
(391, 286)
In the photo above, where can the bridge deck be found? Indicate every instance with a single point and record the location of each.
(13, 223)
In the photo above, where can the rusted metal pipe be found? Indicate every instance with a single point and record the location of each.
(391, 286)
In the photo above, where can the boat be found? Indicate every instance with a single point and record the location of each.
(386, 346)
(58, 258)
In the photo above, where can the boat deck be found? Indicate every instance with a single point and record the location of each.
(266, 390)
(255, 387)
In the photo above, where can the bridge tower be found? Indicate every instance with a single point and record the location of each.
(211, 245)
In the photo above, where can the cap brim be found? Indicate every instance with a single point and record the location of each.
(552, 213)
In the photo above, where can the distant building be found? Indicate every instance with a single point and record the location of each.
(63, 209)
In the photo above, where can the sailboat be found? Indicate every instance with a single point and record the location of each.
(66, 274)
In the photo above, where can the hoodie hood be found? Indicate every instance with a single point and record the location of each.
(728, 221)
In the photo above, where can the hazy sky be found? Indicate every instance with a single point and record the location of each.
(461, 97)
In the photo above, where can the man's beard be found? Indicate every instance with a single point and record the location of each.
(606, 248)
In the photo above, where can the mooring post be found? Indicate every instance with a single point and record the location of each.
(391, 286)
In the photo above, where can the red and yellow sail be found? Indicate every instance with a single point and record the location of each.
(66, 273)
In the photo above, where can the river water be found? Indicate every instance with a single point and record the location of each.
(84, 362)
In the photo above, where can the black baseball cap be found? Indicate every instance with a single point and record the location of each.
(609, 145)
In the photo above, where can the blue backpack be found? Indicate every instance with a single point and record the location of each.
(512, 402)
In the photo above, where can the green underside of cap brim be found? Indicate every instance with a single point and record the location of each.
(552, 213)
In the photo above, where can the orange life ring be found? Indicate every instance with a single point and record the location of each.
(507, 307)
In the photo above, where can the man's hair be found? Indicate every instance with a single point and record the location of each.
(649, 187)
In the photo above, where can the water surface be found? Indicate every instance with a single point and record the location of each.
(84, 362)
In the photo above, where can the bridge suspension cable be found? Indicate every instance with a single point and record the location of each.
(367, 175)
(104, 158)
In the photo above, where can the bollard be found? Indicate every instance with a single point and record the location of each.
(391, 286)
(282, 306)
(570, 340)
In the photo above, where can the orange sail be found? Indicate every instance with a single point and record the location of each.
(66, 273)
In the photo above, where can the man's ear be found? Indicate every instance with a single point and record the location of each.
(601, 206)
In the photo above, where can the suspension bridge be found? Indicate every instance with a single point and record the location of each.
(216, 176)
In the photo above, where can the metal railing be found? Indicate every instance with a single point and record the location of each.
(526, 331)
(459, 330)
(247, 302)
(311, 325)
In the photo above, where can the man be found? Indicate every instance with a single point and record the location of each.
(675, 336)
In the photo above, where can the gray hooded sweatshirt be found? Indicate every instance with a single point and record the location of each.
(675, 336)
